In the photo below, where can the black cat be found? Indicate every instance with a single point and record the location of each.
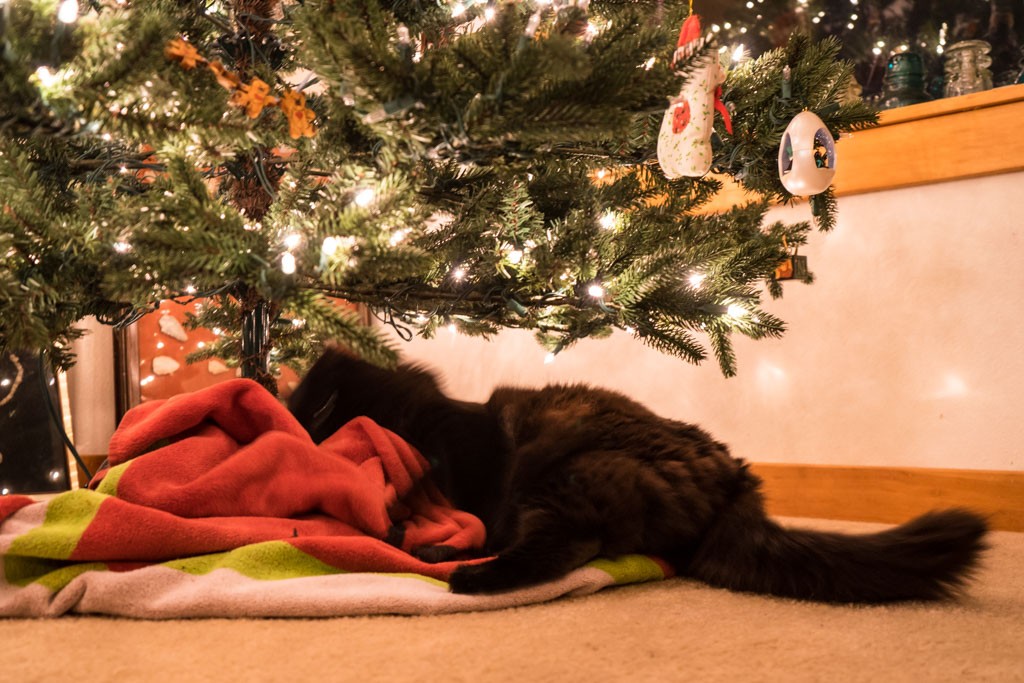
(564, 474)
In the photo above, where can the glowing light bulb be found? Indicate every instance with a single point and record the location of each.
(596, 291)
(489, 14)
(515, 256)
(458, 9)
(365, 197)
(45, 76)
(68, 12)
(459, 273)
(736, 311)
(609, 219)
(287, 263)
(293, 240)
(737, 54)
(330, 245)
(549, 359)
(452, 328)
(649, 64)
(697, 279)
(122, 247)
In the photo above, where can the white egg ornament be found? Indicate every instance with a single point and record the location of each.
(807, 155)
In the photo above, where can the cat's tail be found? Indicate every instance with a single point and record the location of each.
(927, 558)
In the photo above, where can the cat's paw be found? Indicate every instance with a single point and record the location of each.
(481, 578)
(433, 554)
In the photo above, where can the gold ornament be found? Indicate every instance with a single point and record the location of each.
(300, 118)
(227, 79)
(254, 97)
(184, 52)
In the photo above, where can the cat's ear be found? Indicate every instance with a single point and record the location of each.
(314, 399)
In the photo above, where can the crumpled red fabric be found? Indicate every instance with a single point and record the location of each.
(228, 466)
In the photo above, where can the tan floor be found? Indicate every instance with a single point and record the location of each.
(675, 630)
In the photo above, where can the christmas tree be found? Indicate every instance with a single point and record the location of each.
(481, 165)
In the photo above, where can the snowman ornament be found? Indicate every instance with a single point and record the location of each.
(684, 141)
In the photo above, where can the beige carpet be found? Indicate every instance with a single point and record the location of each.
(676, 630)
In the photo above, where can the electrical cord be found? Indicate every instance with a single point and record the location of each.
(56, 418)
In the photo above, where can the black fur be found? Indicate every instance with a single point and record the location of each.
(564, 474)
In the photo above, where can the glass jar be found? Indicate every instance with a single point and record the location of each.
(967, 67)
(904, 81)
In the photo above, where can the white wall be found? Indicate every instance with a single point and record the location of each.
(907, 350)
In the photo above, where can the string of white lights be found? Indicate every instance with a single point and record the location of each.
(11, 385)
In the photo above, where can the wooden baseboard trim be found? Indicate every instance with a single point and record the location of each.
(891, 494)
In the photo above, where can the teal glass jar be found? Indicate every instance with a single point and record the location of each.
(904, 81)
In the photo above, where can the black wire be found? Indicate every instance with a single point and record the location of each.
(261, 174)
(55, 417)
(387, 316)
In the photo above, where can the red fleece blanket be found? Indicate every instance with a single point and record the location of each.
(229, 466)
